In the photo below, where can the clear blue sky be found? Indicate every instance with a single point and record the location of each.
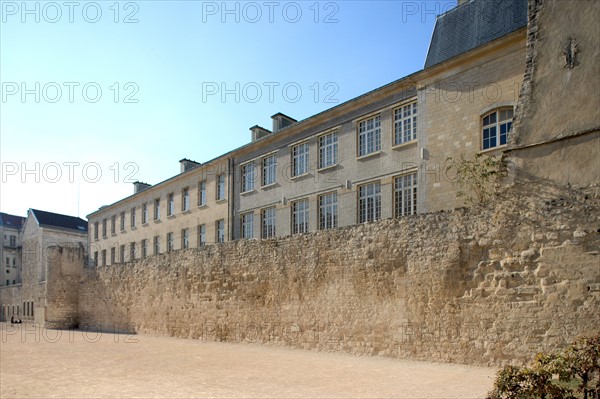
(168, 67)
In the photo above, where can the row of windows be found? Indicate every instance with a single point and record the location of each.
(369, 208)
(369, 141)
(185, 207)
(132, 251)
(9, 310)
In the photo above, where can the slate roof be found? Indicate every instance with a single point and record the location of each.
(473, 24)
(57, 220)
(13, 221)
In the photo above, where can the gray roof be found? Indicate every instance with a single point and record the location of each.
(57, 220)
(16, 222)
(472, 25)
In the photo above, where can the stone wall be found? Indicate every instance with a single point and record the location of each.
(489, 285)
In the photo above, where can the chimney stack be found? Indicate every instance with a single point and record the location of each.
(259, 132)
(281, 120)
(138, 186)
(187, 164)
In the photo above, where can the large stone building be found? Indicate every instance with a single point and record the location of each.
(380, 155)
(10, 252)
(34, 298)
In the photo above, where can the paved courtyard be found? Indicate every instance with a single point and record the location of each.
(74, 364)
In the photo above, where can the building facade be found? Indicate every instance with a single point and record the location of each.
(380, 155)
(10, 252)
(42, 232)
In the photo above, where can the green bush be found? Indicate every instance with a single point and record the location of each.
(571, 373)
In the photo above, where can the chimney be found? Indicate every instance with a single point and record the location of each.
(138, 186)
(259, 132)
(187, 164)
(281, 120)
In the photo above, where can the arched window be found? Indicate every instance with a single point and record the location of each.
(496, 126)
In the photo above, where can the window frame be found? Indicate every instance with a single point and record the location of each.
(400, 125)
(269, 170)
(202, 193)
(300, 217)
(220, 181)
(405, 205)
(247, 225)
(375, 132)
(268, 222)
(497, 125)
(300, 160)
(247, 171)
(185, 199)
(324, 155)
(331, 208)
(368, 200)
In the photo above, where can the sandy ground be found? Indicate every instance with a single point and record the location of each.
(74, 364)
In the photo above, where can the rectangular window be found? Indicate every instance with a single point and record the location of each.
(170, 204)
(328, 150)
(268, 222)
(104, 257)
(156, 245)
(132, 217)
(247, 177)
(104, 228)
(144, 213)
(369, 202)
(220, 231)
(405, 123)
(328, 211)
(247, 227)
(300, 159)
(144, 245)
(113, 256)
(122, 253)
(185, 239)
(202, 193)
(95, 230)
(369, 136)
(14, 262)
(269, 170)
(113, 224)
(220, 187)
(122, 221)
(96, 258)
(496, 127)
(170, 243)
(185, 199)
(405, 195)
(132, 251)
(300, 217)
(157, 209)
(201, 235)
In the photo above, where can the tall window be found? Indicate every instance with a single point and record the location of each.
(269, 171)
(405, 195)
(96, 258)
(122, 221)
(220, 187)
(405, 123)
(369, 136)
(104, 257)
(122, 253)
(157, 209)
(496, 128)
(185, 199)
(170, 204)
(156, 245)
(369, 202)
(300, 159)
(300, 216)
(201, 235)
(185, 239)
(202, 193)
(247, 228)
(104, 228)
(328, 150)
(96, 230)
(170, 243)
(132, 251)
(247, 177)
(132, 217)
(268, 222)
(144, 213)
(328, 211)
(220, 231)
(144, 245)
(113, 256)
(113, 224)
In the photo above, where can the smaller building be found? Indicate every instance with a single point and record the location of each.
(10, 252)
(43, 291)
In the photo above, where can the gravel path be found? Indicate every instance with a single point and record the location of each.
(74, 364)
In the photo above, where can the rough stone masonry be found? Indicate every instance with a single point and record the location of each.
(488, 285)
